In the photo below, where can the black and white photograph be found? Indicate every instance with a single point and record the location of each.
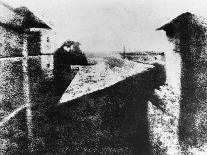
(103, 77)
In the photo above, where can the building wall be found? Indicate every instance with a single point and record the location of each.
(25, 80)
(47, 65)
(38, 67)
(11, 42)
(33, 43)
(188, 66)
(41, 41)
(11, 84)
(38, 42)
(48, 45)
(19, 88)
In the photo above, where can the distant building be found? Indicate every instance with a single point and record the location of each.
(145, 56)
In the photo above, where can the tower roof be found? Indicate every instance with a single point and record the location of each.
(177, 21)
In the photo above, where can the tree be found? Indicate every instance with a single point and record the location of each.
(70, 54)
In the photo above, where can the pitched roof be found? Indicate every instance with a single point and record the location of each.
(186, 21)
(177, 21)
(20, 18)
(29, 19)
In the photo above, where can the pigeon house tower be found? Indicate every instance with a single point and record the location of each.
(187, 34)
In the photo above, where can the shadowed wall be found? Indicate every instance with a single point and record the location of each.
(187, 32)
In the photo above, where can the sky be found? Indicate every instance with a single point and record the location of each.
(108, 25)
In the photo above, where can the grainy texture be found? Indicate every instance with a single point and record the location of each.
(188, 34)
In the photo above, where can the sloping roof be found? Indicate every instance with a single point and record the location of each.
(183, 22)
(29, 19)
(97, 77)
(178, 20)
(20, 18)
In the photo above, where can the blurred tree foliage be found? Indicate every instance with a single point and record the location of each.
(72, 47)
(70, 54)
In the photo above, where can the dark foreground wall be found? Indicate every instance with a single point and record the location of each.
(22, 82)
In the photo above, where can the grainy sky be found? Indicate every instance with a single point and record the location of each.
(108, 25)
